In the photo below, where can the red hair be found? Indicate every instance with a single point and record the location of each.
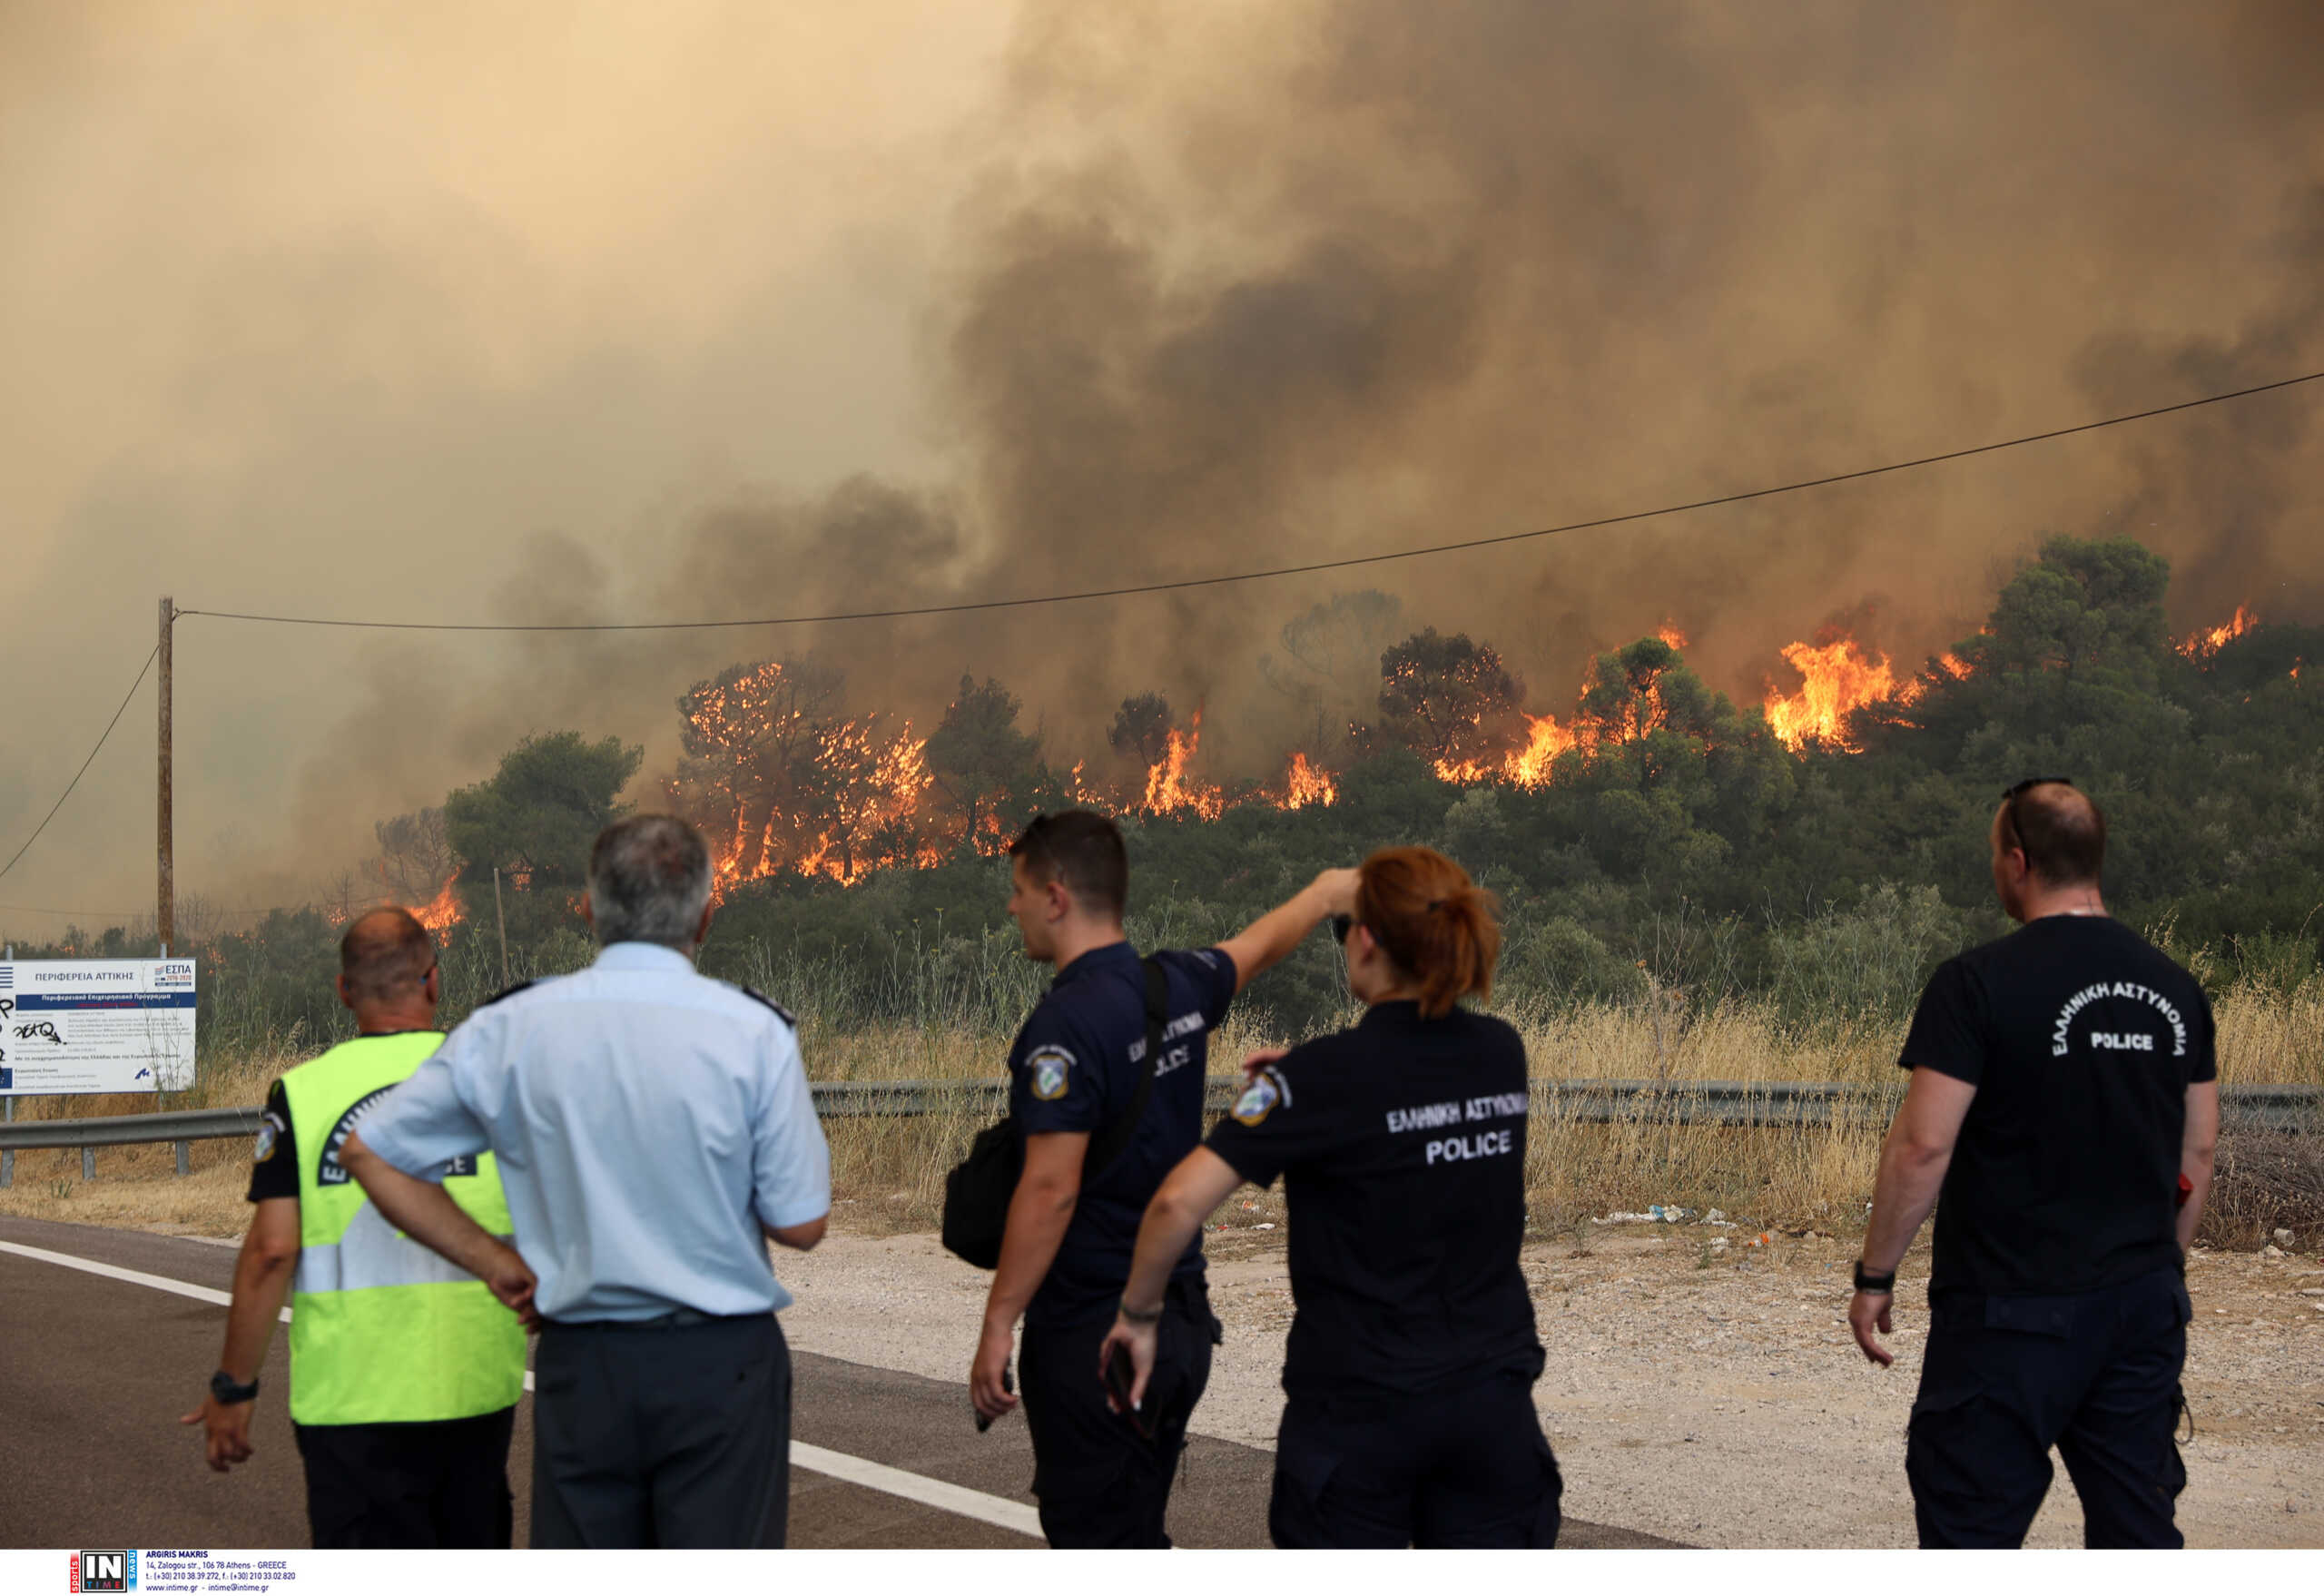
(1436, 924)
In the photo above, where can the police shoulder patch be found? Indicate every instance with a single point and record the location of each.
(267, 1131)
(1050, 1071)
(781, 1013)
(1266, 1092)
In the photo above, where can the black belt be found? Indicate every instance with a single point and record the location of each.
(676, 1319)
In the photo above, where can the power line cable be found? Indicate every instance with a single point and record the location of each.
(83, 771)
(1349, 562)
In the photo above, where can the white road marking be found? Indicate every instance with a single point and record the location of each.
(856, 1471)
(938, 1494)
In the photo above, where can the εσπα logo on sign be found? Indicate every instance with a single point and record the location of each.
(174, 975)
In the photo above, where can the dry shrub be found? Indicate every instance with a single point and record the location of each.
(890, 1172)
(2264, 1182)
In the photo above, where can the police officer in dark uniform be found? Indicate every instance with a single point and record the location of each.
(2064, 1104)
(1065, 1254)
(1402, 1145)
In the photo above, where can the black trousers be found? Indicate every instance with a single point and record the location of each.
(662, 1436)
(1099, 1482)
(440, 1484)
(1462, 1468)
(2006, 1378)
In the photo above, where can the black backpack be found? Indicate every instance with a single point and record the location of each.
(977, 1190)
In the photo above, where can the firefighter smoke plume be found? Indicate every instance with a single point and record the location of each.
(1199, 288)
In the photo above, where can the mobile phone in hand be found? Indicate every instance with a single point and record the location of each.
(1119, 1376)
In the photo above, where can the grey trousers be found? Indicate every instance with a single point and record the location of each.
(676, 1436)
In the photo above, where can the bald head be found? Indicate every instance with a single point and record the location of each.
(2059, 830)
(384, 957)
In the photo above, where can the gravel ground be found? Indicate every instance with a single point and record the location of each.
(1712, 1395)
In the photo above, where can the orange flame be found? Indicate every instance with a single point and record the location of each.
(2203, 644)
(1170, 790)
(1520, 767)
(1670, 635)
(1837, 679)
(1304, 783)
(443, 912)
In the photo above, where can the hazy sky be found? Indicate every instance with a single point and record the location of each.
(490, 312)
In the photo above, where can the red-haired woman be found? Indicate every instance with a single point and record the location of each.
(1402, 1145)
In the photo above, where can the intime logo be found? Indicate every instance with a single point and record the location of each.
(104, 1570)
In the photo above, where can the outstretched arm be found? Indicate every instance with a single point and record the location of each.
(1265, 941)
(426, 1212)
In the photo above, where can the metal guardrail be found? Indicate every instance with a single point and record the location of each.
(2290, 1110)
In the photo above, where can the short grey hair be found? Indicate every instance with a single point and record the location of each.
(649, 882)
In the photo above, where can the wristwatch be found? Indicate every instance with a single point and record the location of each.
(1866, 1281)
(226, 1393)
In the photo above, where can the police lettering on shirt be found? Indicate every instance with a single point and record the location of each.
(1401, 1144)
(1437, 1116)
(1075, 1069)
(2062, 1033)
(2081, 1042)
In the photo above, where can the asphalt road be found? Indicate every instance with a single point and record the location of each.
(98, 1371)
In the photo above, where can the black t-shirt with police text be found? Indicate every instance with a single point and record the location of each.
(2081, 1041)
(1075, 1067)
(1402, 1148)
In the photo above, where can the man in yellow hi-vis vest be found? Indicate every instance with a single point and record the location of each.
(405, 1371)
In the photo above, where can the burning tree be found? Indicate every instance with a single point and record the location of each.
(866, 799)
(416, 857)
(748, 777)
(417, 867)
(1450, 700)
(779, 779)
(1141, 729)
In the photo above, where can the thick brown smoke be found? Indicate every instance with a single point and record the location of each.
(1202, 288)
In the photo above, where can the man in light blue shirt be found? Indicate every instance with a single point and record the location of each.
(653, 1127)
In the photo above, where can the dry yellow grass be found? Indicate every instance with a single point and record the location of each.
(891, 1171)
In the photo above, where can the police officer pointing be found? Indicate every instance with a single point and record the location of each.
(1065, 1251)
(1402, 1147)
(2064, 1106)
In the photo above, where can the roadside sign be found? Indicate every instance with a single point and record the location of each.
(96, 1025)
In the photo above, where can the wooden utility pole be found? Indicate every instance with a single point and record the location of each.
(498, 914)
(165, 890)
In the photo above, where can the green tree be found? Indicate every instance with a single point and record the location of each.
(980, 760)
(2082, 605)
(535, 818)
